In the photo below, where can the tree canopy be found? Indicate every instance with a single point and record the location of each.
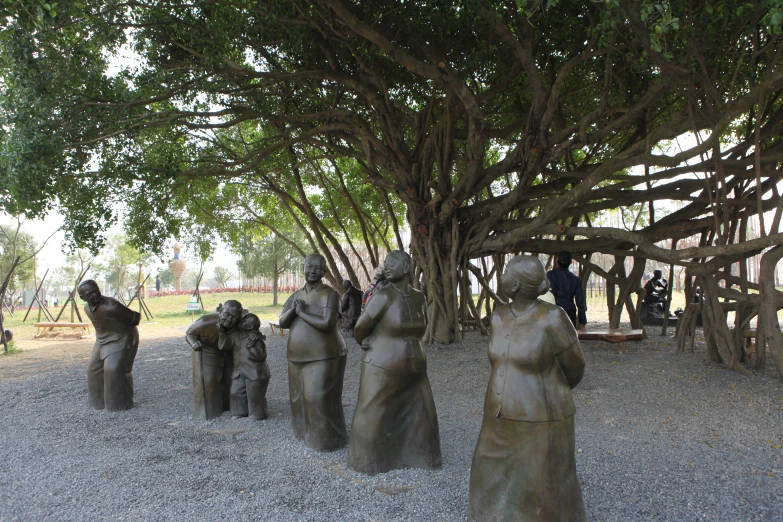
(494, 126)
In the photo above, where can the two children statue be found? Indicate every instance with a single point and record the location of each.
(229, 364)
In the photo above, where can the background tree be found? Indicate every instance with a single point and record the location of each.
(269, 257)
(166, 278)
(123, 264)
(417, 97)
(222, 276)
(16, 243)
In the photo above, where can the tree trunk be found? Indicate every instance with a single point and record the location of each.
(432, 249)
(768, 310)
(274, 284)
(716, 331)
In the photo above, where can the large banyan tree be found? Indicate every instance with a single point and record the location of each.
(496, 126)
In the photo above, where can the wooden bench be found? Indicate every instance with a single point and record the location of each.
(44, 328)
(277, 329)
(612, 335)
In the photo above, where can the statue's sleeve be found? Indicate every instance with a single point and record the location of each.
(288, 303)
(332, 301)
(377, 306)
(561, 331)
(123, 314)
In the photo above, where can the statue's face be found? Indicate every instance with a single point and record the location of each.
(90, 294)
(509, 282)
(314, 270)
(394, 268)
(229, 317)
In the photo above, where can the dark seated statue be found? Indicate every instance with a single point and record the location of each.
(656, 288)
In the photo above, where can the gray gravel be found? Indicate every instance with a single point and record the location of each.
(659, 437)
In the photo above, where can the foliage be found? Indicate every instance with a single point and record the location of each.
(123, 263)
(233, 113)
(17, 243)
(166, 278)
(12, 349)
(222, 276)
(189, 278)
(269, 257)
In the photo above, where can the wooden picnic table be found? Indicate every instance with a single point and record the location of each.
(277, 329)
(44, 328)
(612, 335)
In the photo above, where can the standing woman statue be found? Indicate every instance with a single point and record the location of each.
(523, 465)
(394, 425)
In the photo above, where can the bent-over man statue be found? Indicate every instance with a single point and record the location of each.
(316, 360)
(109, 377)
(212, 366)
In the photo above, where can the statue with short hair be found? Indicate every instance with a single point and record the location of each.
(523, 465)
(250, 378)
(109, 372)
(212, 366)
(316, 360)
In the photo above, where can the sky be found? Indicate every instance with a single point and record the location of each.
(52, 255)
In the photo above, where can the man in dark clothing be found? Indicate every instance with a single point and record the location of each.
(350, 307)
(567, 288)
(158, 284)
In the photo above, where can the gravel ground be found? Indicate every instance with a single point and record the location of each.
(659, 437)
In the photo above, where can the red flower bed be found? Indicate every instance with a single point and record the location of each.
(249, 289)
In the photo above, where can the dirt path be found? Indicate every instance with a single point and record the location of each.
(62, 350)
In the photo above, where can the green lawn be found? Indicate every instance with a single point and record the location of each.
(169, 312)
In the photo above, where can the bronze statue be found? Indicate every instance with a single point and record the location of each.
(212, 367)
(523, 465)
(250, 378)
(109, 377)
(394, 424)
(350, 307)
(316, 360)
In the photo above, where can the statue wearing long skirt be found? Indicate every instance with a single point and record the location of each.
(395, 424)
(316, 360)
(212, 366)
(109, 377)
(523, 465)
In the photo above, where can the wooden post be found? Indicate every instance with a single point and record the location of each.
(3, 288)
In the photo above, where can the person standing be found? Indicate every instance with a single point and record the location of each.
(378, 279)
(158, 283)
(350, 307)
(316, 360)
(567, 288)
(109, 377)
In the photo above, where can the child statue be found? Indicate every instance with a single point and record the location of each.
(250, 377)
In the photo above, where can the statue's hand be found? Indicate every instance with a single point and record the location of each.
(256, 336)
(299, 308)
(196, 346)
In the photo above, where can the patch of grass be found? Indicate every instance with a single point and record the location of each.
(12, 349)
(170, 310)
